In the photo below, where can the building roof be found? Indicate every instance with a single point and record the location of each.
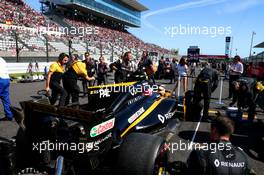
(135, 4)
(260, 45)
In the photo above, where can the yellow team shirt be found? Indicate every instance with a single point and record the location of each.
(56, 67)
(80, 68)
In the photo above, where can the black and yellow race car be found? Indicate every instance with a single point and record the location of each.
(122, 129)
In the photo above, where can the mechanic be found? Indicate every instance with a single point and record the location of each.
(91, 70)
(146, 64)
(246, 91)
(206, 83)
(224, 158)
(54, 77)
(4, 90)
(123, 67)
(76, 69)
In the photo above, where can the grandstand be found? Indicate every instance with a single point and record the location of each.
(56, 29)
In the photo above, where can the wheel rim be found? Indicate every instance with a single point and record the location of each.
(160, 167)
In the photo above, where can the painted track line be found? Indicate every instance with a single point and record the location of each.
(196, 129)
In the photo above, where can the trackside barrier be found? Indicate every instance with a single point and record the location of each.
(192, 85)
(221, 91)
(14, 68)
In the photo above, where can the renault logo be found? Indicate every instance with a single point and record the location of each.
(216, 162)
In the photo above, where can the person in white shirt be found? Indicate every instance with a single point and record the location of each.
(183, 72)
(4, 90)
(237, 68)
(235, 72)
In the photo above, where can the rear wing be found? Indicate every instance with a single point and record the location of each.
(60, 112)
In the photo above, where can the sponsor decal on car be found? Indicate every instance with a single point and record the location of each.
(103, 139)
(167, 116)
(134, 100)
(218, 163)
(102, 128)
(100, 110)
(136, 115)
(94, 92)
(104, 93)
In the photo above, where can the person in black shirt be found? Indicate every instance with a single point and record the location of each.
(102, 72)
(161, 68)
(222, 158)
(246, 91)
(146, 64)
(123, 68)
(91, 70)
(206, 83)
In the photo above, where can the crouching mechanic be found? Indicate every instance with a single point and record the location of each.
(246, 90)
(206, 83)
(54, 79)
(76, 69)
(225, 159)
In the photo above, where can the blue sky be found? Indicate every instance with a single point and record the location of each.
(238, 17)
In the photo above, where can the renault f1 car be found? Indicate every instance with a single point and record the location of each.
(121, 130)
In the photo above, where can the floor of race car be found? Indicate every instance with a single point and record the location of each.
(186, 133)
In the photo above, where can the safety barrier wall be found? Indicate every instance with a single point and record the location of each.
(23, 67)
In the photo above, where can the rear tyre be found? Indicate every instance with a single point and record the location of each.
(142, 154)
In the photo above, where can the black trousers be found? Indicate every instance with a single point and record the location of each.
(73, 90)
(119, 77)
(202, 91)
(56, 91)
(101, 79)
(243, 102)
(251, 112)
(85, 84)
(151, 77)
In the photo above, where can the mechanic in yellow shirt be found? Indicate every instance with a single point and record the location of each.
(76, 69)
(54, 79)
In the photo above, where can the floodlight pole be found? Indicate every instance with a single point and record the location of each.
(47, 48)
(70, 47)
(250, 50)
(112, 57)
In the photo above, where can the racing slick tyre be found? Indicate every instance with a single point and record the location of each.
(188, 103)
(7, 156)
(142, 154)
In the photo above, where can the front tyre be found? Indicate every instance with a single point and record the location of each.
(142, 154)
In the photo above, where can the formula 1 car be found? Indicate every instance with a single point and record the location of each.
(122, 129)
